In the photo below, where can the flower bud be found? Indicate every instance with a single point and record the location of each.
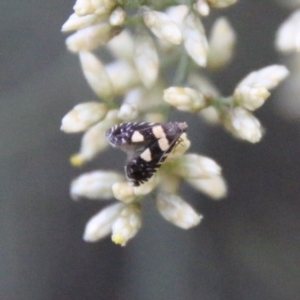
(221, 44)
(76, 22)
(268, 77)
(288, 35)
(146, 60)
(250, 97)
(193, 166)
(83, 116)
(202, 7)
(100, 225)
(117, 17)
(214, 187)
(185, 99)
(162, 26)
(242, 124)
(122, 46)
(128, 112)
(195, 41)
(124, 191)
(122, 76)
(96, 75)
(94, 185)
(175, 210)
(127, 224)
(94, 141)
(91, 37)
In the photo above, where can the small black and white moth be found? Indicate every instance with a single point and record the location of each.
(146, 144)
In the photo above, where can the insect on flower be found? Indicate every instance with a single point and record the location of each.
(147, 145)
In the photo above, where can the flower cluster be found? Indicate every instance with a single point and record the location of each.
(146, 44)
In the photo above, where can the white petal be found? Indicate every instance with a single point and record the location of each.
(83, 116)
(127, 224)
(95, 185)
(100, 225)
(175, 210)
(195, 40)
(214, 187)
(96, 75)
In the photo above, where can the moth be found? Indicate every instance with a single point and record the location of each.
(147, 145)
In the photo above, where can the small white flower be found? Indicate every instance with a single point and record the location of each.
(221, 44)
(195, 41)
(162, 26)
(83, 116)
(268, 77)
(94, 141)
(94, 185)
(127, 224)
(250, 97)
(123, 76)
(124, 191)
(194, 166)
(177, 13)
(214, 187)
(146, 60)
(242, 124)
(100, 225)
(117, 17)
(76, 22)
(175, 210)
(202, 7)
(128, 112)
(122, 46)
(185, 99)
(91, 37)
(85, 7)
(96, 75)
(288, 34)
(221, 3)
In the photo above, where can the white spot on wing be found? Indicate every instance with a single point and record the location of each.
(158, 132)
(137, 137)
(163, 144)
(146, 155)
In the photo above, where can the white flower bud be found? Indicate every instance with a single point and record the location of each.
(83, 7)
(221, 3)
(194, 166)
(83, 116)
(127, 224)
(146, 60)
(185, 99)
(96, 75)
(195, 41)
(117, 17)
(98, 7)
(94, 185)
(288, 34)
(243, 125)
(177, 13)
(177, 211)
(250, 97)
(91, 37)
(214, 187)
(146, 187)
(122, 46)
(128, 112)
(202, 7)
(94, 141)
(268, 77)
(122, 75)
(221, 44)
(100, 225)
(162, 26)
(76, 22)
(124, 191)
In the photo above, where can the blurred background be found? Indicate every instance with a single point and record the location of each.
(248, 245)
